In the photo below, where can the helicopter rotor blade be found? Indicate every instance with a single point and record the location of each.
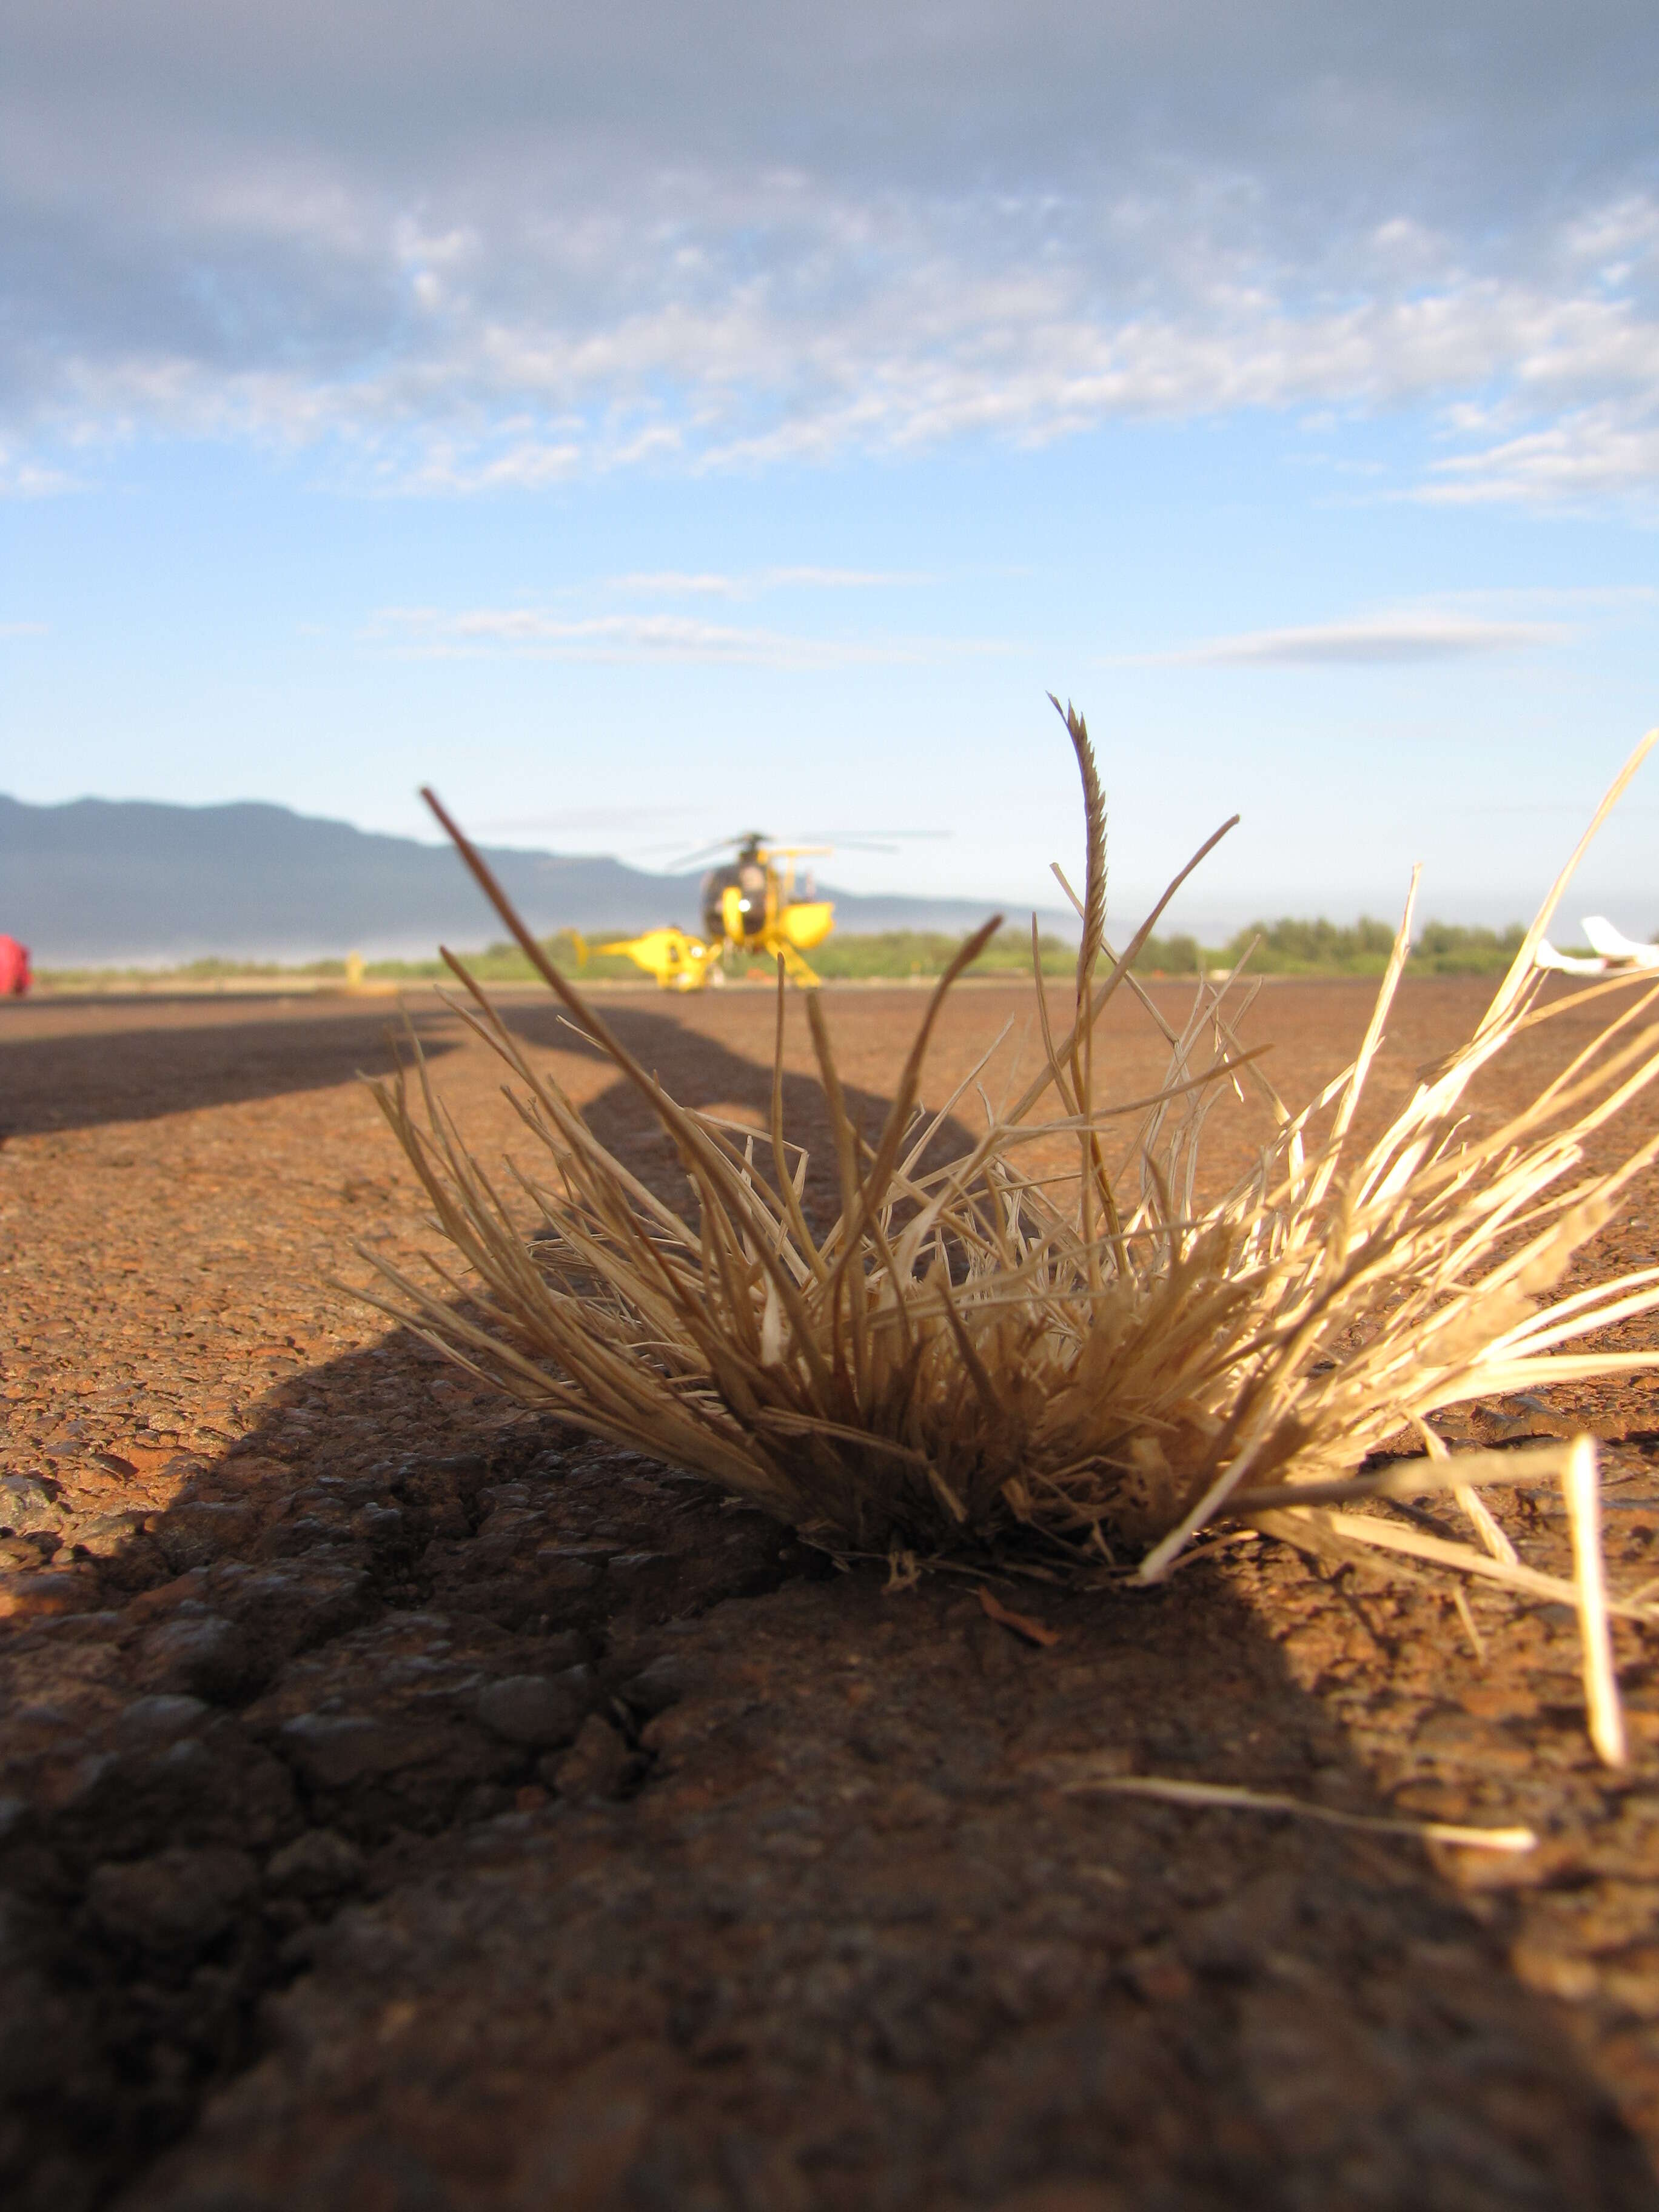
(876, 841)
(706, 853)
(863, 841)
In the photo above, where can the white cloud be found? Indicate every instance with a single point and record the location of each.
(646, 637)
(1589, 455)
(1543, 394)
(750, 585)
(23, 477)
(500, 247)
(1376, 639)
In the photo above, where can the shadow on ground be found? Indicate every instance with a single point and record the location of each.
(387, 1823)
(432, 1809)
(704, 1070)
(150, 1066)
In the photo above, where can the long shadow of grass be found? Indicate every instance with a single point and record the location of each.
(150, 1068)
(304, 1688)
(705, 1070)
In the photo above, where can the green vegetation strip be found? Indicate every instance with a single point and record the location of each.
(1286, 947)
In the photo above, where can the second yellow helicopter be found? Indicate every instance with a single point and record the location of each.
(749, 907)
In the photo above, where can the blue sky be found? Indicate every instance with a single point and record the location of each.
(642, 435)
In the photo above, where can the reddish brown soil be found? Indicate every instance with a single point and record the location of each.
(407, 1806)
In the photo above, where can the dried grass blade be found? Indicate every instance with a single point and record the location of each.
(691, 1142)
(1471, 1627)
(1368, 1050)
(898, 1114)
(1486, 1527)
(787, 1190)
(1472, 1504)
(1522, 973)
(1389, 1536)
(1580, 1486)
(1023, 1625)
(1421, 1478)
(1474, 1507)
(1125, 962)
(1171, 1790)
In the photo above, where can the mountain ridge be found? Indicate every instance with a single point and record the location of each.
(91, 882)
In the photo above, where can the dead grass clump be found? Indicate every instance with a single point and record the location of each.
(973, 1354)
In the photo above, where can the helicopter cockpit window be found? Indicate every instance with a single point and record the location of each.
(714, 885)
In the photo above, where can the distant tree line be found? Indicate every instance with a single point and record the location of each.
(1286, 947)
(1294, 947)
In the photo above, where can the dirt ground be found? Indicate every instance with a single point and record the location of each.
(407, 1806)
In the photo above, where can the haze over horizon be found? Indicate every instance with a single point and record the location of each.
(100, 883)
(639, 438)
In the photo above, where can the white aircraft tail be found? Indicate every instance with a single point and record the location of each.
(1613, 944)
(1612, 948)
(1566, 963)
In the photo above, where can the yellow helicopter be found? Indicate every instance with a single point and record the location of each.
(749, 906)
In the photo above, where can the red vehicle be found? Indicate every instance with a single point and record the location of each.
(15, 977)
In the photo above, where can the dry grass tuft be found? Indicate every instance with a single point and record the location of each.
(974, 1356)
